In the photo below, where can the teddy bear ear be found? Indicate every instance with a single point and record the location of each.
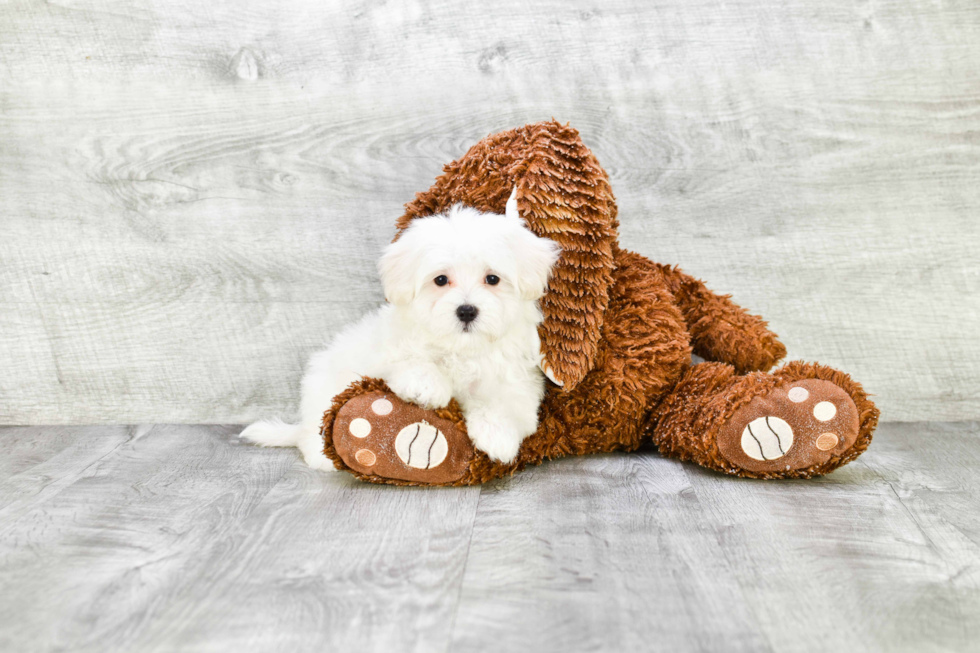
(550, 178)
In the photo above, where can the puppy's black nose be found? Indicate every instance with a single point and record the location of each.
(466, 313)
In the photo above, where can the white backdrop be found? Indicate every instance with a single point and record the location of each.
(193, 194)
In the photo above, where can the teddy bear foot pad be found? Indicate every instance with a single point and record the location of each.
(795, 426)
(379, 434)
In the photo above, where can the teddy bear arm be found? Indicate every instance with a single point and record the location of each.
(720, 329)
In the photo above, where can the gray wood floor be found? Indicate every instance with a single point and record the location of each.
(181, 538)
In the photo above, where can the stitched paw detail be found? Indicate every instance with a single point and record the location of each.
(793, 427)
(379, 434)
(767, 438)
(421, 446)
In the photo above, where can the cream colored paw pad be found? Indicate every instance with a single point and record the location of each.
(824, 411)
(381, 407)
(798, 395)
(421, 445)
(767, 438)
(360, 428)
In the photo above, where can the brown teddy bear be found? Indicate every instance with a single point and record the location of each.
(617, 339)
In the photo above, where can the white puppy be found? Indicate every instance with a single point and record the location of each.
(461, 322)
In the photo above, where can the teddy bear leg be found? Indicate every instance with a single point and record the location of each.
(379, 438)
(802, 420)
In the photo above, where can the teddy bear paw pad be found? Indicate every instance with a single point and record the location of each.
(799, 425)
(379, 434)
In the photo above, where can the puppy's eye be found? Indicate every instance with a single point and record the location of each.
(441, 280)
(493, 279)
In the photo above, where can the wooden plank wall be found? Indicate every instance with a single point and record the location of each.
(193, 194)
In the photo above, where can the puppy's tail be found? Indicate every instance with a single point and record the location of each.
(273, 433)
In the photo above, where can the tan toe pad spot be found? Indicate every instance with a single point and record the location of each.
(366, 457)
(827, 441)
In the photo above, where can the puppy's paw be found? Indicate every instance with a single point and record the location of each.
(426, 390)
(311, 446)
(316, 460)
(495, 437)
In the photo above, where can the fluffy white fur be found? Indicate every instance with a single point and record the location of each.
(418, 344)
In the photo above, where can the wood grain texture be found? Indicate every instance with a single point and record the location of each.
(182, 538)
(612, 553)
(193, 195)
(118, 536)
(186, 539)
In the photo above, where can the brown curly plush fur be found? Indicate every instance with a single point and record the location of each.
(686, 423)
(619, 329)
(563, 194)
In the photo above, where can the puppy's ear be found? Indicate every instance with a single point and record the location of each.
(397, 267)
(535, 257)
